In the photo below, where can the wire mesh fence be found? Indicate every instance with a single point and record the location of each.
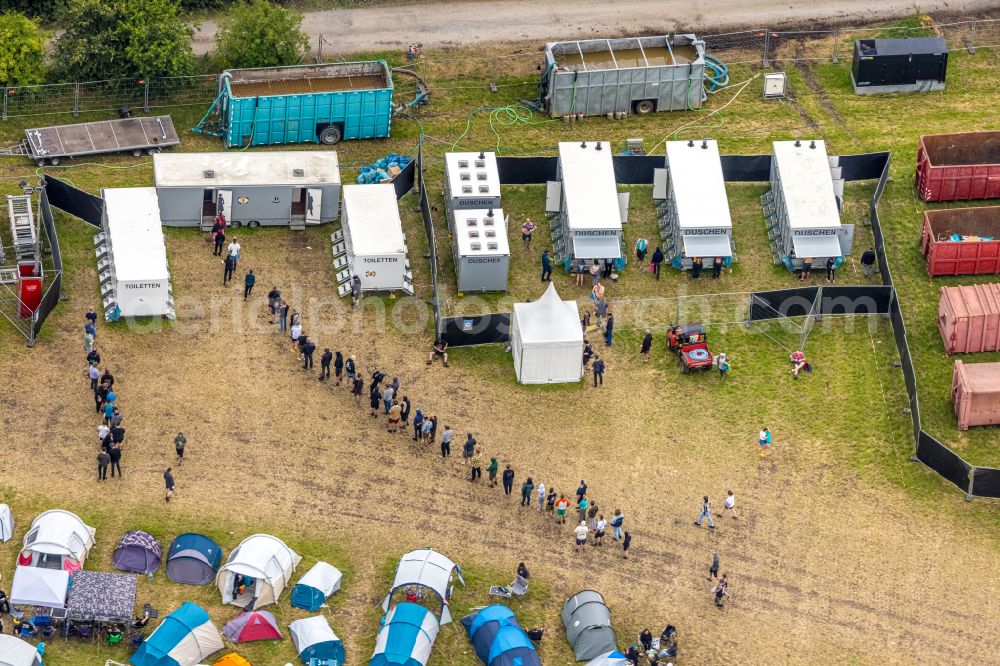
(450, 72)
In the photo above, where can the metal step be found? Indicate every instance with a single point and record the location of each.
(343, 276)
(344, 289)
(339, 249)
(408, 288)
(340, 263)
(99, 238)
(8, 275)
(337, 236)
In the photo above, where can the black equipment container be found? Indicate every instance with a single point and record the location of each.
(915, 64)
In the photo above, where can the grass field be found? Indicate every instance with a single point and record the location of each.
(844, 550)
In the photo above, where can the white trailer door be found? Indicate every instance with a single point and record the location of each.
(314, 204)
(224, 203)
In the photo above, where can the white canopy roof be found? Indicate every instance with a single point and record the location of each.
(698, 185)
(318, 167)
(6, 523)
(264, 558)
(816, 246)
(311, 630)
(372, 215)
(58, 532)
(137, 244)
(549, 320)
(707, 246)
(429, 569)
(323, 577)
(15, 652)
(806, 184)
(597, 247)
(589, 187)
(35, 586)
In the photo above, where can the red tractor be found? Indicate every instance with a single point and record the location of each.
(691, 344)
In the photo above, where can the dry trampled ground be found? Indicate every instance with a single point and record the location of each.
(829, 563)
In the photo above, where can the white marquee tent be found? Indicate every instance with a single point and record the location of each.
(267, 561)
(6, 523)
(57, 539)
(547, 340)
(33, 586)
(427, 569)
(15, 652)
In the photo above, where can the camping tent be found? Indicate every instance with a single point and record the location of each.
(183, 638)
(498, 639)
(547, 340)
(426, 569)
(313, 588)
(138, 552)
(6, 523)
(15, 652)
(406, 637)
(252, 626)
(588, 625)
(232, 659)
(193, 559)
(314, 639)
(613, 658)
(33, 586)
(268, 564)
(57, 539)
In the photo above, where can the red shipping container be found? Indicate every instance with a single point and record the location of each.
(966, 257)
(975, 394)
(29, 287)
(969, 318)
(959, 167)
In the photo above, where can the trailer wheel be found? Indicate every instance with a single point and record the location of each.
(54, 161)
(644, 107)
(136, 153)
(40, 163)
(235, 224)
(331, 135)
(152, 151)
(253, 224)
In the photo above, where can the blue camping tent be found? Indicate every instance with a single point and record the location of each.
(314, 639)
(313, 588)
(183, 638)
(193, 559)
(406, 637)
(498, 639)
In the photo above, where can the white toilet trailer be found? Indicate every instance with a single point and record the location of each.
(802, 208)
(374, 247)
(481, 250)
(132, 255)
(277, 188)
(585, 199)
(695, 220)
(471, 180)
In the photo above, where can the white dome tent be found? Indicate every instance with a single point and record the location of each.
(430, 570)
(547, 340)
(267, 562)
(15, 652)
(6, 523)
(57, 539)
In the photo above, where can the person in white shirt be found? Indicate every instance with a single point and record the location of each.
(234, 252)
(580, 532)
(730, 504)
(540, 493)
(602, 525)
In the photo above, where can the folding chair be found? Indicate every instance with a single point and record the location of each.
(519, 587)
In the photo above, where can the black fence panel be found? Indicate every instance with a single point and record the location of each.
(403, 182)
(746, 168)
(48, 303)
(856, 299)
(526, 170)
(425, 214)
(53, 291)
(49, 225)
(943, 460)
(867, 166)
(76, 202)
(636, 169)
(986, 482)
(781, 303)
(477, 330)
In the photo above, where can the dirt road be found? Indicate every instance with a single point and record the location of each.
(476, 21)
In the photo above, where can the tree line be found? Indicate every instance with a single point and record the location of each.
(120, 39)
